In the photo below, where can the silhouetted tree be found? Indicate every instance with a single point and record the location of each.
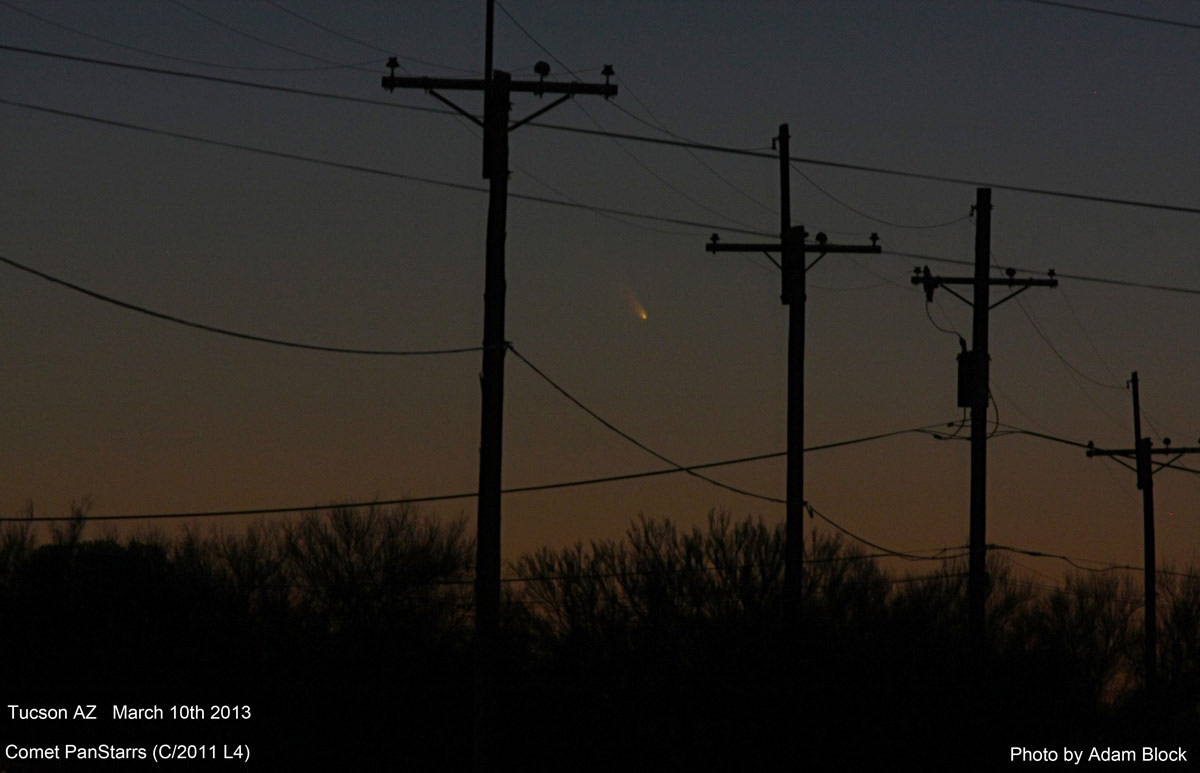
(663, 649)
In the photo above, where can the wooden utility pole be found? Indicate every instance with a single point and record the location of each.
(792, 248)
(497, 87)
(974, 393)
(1142, 454)
(1145, 481)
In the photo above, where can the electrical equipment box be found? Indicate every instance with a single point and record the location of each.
(966, 378)
(972, 385)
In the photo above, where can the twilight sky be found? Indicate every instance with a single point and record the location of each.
(146, 416)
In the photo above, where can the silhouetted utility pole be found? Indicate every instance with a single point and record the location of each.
(1142, 452)
(497, 88)
(974, 392)
(792, 248)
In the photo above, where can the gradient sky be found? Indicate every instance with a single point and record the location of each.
(145, 416)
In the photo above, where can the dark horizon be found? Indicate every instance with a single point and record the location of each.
(346, 638)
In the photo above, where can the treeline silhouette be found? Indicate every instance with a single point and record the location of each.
(348, 633)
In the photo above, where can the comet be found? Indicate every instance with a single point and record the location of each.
(638, 309)
(631, 300)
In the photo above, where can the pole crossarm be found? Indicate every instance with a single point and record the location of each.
(1126, 452)
(497, 88)
(393, 82)
(792, 247)
(1132, 452)
(929, 282)
(715, 245)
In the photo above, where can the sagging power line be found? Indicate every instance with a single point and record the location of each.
(226, 331)
(927, 429)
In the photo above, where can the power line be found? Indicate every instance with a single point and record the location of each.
(225, 331)
(404, 500)
(363, 43)
(652, 140)
(1105, 567)
(1070, 307)
(367, 169)
(334, 32)
(535, 41)
(170, 57)
(615, 218)
(849, 289)
(1046, 339)
(879, 170)
(1028, 312)
(1014, 404)
(886, 280)
(646, 168)
(661, 127)
(927, 430)
(1073, 372)
(1012, 429)
(674, 469)
(609, 425)
(873, 218)
(1074, 561)
(221, 80)
(253, 37)
(938, 327)
(1118, 14)
(887, 551)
